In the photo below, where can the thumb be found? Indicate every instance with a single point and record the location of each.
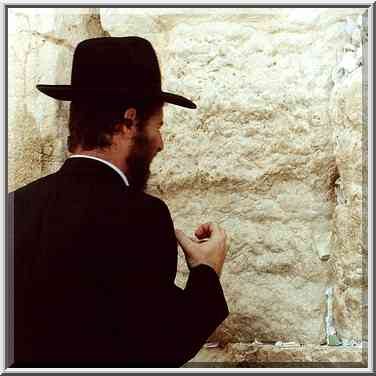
(184, 241)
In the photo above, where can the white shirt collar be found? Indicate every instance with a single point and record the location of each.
(105, 162)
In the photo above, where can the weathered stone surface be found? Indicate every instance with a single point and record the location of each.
(268, 356)
(41, 45)
(350, 248)
(258, 157)
(276, 135)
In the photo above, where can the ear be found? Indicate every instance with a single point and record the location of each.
(130, 116)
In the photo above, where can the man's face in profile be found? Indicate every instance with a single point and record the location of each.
(146, 144)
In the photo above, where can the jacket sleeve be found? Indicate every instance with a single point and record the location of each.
(175, 322)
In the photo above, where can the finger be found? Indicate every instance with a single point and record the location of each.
(202, 228)
(205, 230)
(209, 230)
(198, 240)
(184, 241)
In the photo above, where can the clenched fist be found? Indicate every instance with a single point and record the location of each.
(211, 252)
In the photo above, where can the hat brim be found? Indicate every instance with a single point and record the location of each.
(68, 93)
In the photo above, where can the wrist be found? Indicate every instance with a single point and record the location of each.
(203, 265)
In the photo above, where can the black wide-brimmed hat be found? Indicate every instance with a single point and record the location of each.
(120, 69)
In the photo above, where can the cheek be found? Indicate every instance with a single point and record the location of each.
(150, 147)
(156, 141)
(156, 146)
(152, 143)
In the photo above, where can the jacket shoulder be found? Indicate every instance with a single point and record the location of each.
(150, 202)
(37, 187)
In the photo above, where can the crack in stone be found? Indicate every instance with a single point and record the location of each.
(53, 39)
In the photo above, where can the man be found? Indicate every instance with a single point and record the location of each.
(94, 256)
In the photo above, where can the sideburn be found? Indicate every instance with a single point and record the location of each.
(138, 162)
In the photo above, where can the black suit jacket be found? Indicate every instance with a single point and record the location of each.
(94, 270)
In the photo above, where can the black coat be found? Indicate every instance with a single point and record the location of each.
(94, 270)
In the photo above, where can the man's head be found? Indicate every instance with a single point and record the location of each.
(103, 88)
(130, 139)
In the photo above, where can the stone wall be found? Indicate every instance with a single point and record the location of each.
(40, 49)
(273, 153)
(246, 355)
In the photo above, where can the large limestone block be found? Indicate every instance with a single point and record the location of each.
(350, 251)
(41, 44)
(141, 22)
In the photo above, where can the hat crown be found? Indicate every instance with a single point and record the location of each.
(127, 63)
(121, 70)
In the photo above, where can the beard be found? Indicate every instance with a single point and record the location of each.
(138, 162)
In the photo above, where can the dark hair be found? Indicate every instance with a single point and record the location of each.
(92, 125)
